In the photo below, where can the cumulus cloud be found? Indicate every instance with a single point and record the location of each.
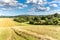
(39, 5)
(39, 9)
(54, 1)
(11, 4)
(8, 2)
(36, 1)
(54, 5)
(47, 8)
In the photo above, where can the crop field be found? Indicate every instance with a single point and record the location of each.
(8, 22)
(11, 30)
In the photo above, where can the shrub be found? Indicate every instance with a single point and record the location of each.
(40, 20)
(31, 22)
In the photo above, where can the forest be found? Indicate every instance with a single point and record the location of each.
(39, 20)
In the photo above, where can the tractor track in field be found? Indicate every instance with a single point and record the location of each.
(40, 37)
(10, 36)
(9, 22)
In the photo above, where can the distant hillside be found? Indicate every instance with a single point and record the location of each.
(56, 14)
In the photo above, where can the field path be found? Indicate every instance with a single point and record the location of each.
(41, 37)
(10, 35)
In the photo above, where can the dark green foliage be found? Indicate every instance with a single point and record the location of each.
(31, 22)
(20, 19)
(40, 20)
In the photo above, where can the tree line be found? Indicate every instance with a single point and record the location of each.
(40, 20)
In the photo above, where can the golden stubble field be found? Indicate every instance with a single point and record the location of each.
(11, 30)
(7, 22)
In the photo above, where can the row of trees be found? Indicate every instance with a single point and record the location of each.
(40, 20)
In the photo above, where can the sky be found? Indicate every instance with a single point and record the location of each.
(29, 7)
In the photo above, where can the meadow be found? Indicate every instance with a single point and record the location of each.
(11, 30)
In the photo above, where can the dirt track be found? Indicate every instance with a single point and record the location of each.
(40, 37)
(8, 22)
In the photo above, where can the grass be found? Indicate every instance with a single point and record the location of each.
(5, 32)
(8, 22)
(25, 35)
(5, 22)
(50, 30)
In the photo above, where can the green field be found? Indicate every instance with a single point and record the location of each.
(10, 30)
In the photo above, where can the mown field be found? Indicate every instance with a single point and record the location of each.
(8, 22)
(10, 30)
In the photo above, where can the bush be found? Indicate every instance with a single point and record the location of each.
(40, 20)
(31, 22)
(19, 20)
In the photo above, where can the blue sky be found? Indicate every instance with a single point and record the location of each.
(29, 7)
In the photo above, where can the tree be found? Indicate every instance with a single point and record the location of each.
(56, 15)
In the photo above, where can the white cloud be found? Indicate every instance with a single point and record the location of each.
(44, 8)
(54, 1)
(48, 8)
(31, 1)
(12, 4)
(40, 5)
(7, 1)
(56, 11)
(35, 1)
(54, 5)
(41, 8)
